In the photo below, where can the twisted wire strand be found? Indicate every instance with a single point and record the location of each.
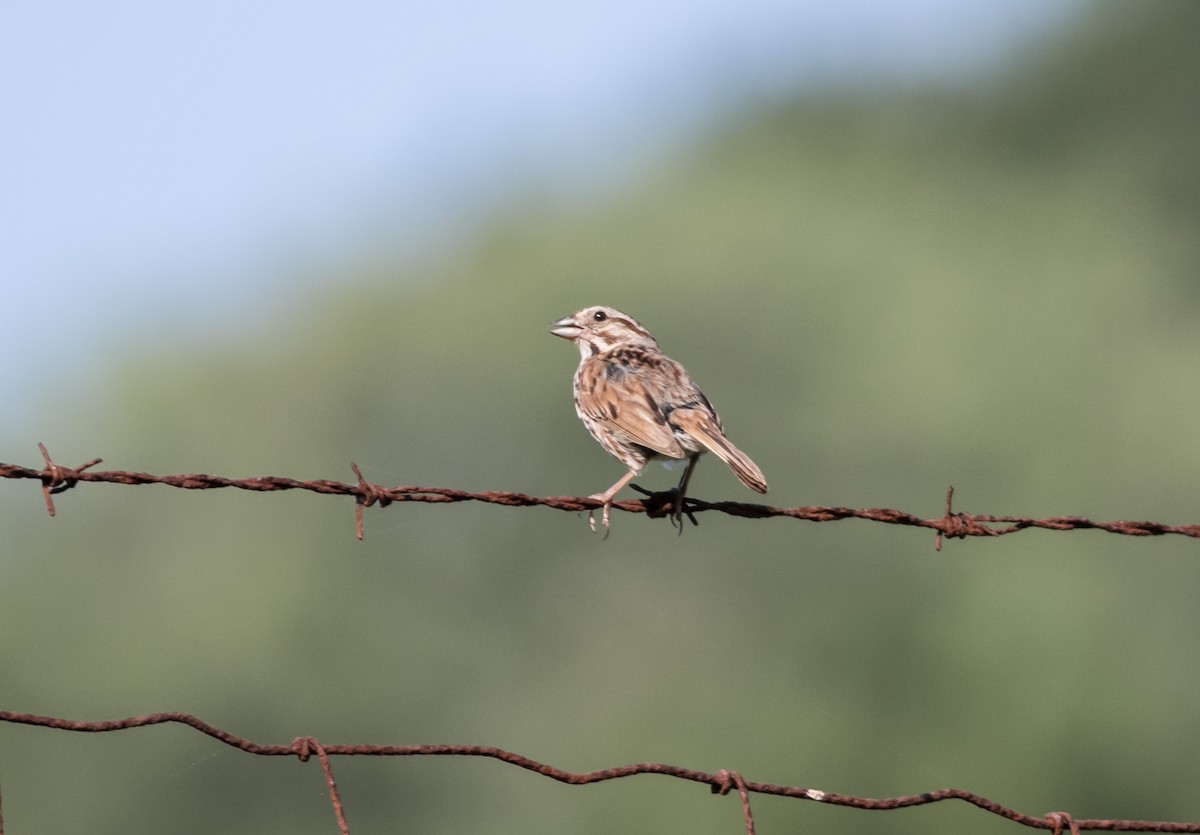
(722, 782)
(56, 479)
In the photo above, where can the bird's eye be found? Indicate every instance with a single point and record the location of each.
(599, 315)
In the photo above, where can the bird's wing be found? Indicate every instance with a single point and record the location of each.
(701, 423)
(623, 398)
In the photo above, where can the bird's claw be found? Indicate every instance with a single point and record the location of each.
(679, 509)
(604, 514)
(671, 503)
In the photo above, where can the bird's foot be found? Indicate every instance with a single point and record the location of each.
(605, 509)
(678, 509)
(671, 503)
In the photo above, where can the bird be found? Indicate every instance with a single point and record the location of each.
(639, 404)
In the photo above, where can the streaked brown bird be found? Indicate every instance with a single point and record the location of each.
(640, 404)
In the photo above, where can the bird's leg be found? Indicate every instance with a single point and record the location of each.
(607, 497)
(681, 493)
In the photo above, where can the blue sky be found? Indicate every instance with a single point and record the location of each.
(180, 163)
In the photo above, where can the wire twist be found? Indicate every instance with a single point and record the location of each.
(722, 782)
(56, 478)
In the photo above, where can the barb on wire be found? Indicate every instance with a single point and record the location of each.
(56, 478)
(730, 780)
(303, 747)
(722, 782)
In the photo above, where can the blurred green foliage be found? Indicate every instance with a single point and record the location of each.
(883, 291)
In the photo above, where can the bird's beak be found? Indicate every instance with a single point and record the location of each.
(566, 328)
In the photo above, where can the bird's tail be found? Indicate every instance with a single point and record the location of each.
(701, 426)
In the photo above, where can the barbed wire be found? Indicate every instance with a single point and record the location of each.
(55, 478)
(721, 782)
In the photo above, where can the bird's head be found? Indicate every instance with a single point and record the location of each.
(598, 329)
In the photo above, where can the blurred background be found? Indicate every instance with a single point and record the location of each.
(900, 246)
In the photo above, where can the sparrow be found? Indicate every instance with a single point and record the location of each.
(639, 404)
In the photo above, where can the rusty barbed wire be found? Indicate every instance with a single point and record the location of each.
(55, 478)
(721, 782)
